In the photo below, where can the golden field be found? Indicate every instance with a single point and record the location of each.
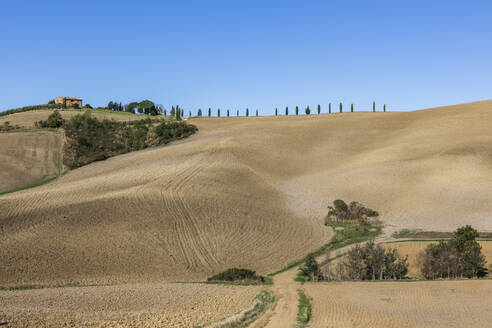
(399, 304)
(247, 192)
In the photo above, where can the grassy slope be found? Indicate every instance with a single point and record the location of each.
(248, 192)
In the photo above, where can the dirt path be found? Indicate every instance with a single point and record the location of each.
(283, 314)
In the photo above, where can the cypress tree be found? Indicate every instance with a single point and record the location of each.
(287, 111)
(199, 114)
(340, 107)
(308, 111)
(373, 106)
(384, 108)
(276, 112)
(329, 108)
(247, 112)
(172, 111)
(218, 112)
(256, 112)
(209, 112)
(182, 113)
(227, 113)
(351, 108)
(189, 114)
(297, 110)
(165, 112)
(319, 109)
(238, 113)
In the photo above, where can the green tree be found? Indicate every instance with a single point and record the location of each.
(329, 108)
(374, 106)
(247, 112)
(340, 107)
(173, 111)
(199, 114)
(308, 111)
(319, 109)
(276, 112)
(227, 113)
(297, 110)
(351, 108)
(256, 112)
(218, 112)
(209, 112)
(384, 108)
(237, 113)
(310, 269)
(287, 111)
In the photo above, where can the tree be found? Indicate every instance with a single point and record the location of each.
(110, 105)
(351, 108)
(199, 114)
(297, 110)
(209, 112)
(256, 112)
(329, 108)
(173, 111)
(340, 107)
(308, 111)
(247, 112)
(144, 106)
(165, 112)
(218, 112)
(131, 107)
(276, 112)
(319, 109)
(237, 113)
(287, 111)
(55, 120)
(374, 106)
(310, 269)
(189, 114)
(384, 108)
(227, 113)
(88, 106)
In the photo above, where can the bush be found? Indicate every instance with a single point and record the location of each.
(6, 127)
(55, 120)
(341, 212)
(235, 274)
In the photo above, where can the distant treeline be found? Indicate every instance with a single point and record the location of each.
(30, 108)
(89, 139)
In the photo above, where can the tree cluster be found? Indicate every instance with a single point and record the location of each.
(459, 257)
(6, 127)
(235, 274)
(341, 212)
(55, 120)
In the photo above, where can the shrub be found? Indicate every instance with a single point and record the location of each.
(341, 212)
(310, 268)
(235, 274)
(54, 121)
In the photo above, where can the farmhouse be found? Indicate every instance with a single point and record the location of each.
(68, 101)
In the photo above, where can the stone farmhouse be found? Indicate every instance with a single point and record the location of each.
(68, 101)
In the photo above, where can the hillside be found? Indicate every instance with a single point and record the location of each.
(248, 192)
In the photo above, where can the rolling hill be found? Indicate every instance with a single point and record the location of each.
(248, 192)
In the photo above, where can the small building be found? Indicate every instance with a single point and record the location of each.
(68, 101)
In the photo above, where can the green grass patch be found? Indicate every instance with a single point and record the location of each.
(261, 302)
(418, 234)
(268, 281)
(303, 309)
(40, 182)
(30, 287)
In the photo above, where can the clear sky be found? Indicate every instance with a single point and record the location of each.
(238, 54)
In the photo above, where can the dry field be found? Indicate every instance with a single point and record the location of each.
(27, 119)
(414, 248)
(248, 192)
(132, 305)
(27, 157)
(398, 304)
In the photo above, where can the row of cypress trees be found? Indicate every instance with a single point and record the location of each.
(307, 111)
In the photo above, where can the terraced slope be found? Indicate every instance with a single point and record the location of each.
(248, 192)
(29, 157)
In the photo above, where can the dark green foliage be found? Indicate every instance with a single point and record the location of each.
(247, 112)
(227, 113)
(256, 112)
(54, 121)
(286, 111)
(131, 107)
(237, 113)
(351, 108)
(303, 310)
(199, 114)
(329, 108)
(384, 108)
(308, 111)
(218, 112)
(340, 107)
(374, 106)
(30, 108)
(51, 102)
(310, 268)
(189, 114)
(319, 109)
(297, 110)
(89, 139)
(235, 274)
(459, 257)
(340, 212)
(209, 112)
(88, 106)
(276, 112)
(373, 262)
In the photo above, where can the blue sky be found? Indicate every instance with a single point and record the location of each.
(238, 54)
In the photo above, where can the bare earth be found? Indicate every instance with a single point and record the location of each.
(27, 157)
(396, 304)
(132, 305)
